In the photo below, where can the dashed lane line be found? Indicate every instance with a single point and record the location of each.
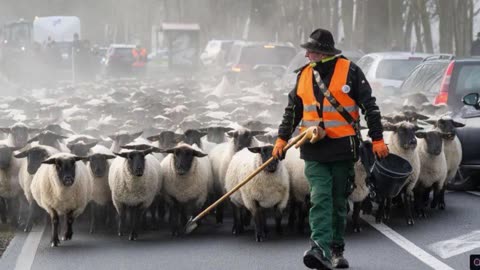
(29, 249)
(407, 245)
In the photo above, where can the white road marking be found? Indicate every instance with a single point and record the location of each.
(408, 246)
(458, 245)
(29, 249)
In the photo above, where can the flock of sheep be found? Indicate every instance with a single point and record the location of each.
(135, 153)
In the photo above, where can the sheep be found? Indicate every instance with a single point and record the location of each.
(51, 139)
(122, 138)
(98, 166)
(221, 155)
(269, 189)
(433, 166)
(403, 142)
(29, 166)
(134, 180)
(299, 188)
(186, 182)
(9, 186)
(453, 155)
(81, 148)
(62, 186)
(361, 187)
(18, 134)
(215, 135)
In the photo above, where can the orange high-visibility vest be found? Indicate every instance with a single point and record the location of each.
(139, 56)
(335, 125)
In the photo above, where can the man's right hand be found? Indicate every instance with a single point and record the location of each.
(277, 152)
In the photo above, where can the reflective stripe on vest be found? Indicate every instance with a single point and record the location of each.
(335, 125)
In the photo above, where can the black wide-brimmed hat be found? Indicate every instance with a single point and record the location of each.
(321, 41)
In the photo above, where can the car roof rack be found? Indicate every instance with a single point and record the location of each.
(439, 57)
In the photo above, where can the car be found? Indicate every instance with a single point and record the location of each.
(444, 79)
(254, 62)
(289, 78)
(216, 52)
(119, 60)
(385, 71)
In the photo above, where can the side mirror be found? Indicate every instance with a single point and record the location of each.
(471, 99)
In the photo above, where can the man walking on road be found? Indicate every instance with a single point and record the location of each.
(329, 162)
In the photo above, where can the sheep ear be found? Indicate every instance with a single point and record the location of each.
(124, 155)
(363, 127)
(49, 161)
(255, 149)
(231, 133)
(388, 118)
(203, 129)
(23, 154)
(421, 134)
(156, 149)
(5, 130)
(32, 130)
(154, 138)
(136, 135)
(77, 158)
(90, 145)
(168, 151)
(257, 132)
(457, 124)
(199, 154)
(389, 127)
(420, 116)
(33, 139)
(417, 128)
(109, 156)
(227, 129)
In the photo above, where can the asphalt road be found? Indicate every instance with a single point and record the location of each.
(386, 246)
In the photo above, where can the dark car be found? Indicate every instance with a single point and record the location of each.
(446, 80)
(258, 61)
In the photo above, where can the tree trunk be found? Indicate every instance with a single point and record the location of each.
(347, 20)
(425, 19)
(446, 22)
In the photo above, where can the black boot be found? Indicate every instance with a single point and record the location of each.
(315, 258)
(338, 261)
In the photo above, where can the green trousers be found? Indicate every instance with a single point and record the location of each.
(329, 186)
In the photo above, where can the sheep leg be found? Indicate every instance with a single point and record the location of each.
(175, 218)
(367, 206)
(12, 207)
(93, 209)
(302, 214)
(436, 196)
(135, 214)
(121, 219)
(381, 210)
(420, 201)
(246, 217)
(278, 221)
(291, 214)
(356, 216)
(388, 208)
(3, 210)
(407, 204)
(219, 213)
(441, 198)
(31, 211)
(55, 221)
(69, 233)
(237, 221)
(259, 226)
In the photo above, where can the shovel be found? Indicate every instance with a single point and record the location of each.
(192, 223)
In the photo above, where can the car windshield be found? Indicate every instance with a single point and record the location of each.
(123, 51)
(396, 69)
(274, 55)
(468, 80)
(425, 79)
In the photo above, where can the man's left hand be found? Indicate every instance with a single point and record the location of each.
(380, 149)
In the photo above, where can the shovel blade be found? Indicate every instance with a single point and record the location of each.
(191, 226)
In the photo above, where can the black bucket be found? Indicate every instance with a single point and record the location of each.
(390, 175)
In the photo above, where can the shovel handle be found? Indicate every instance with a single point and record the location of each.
(295, 140)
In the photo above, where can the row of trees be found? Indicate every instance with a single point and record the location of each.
(370, 25)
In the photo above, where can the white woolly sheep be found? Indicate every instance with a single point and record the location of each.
(221, 155)
(9, 186)
(34, 157)
(98, 166)
(17, 134)
(299, 188)
(134, 180)
(62, 186)
(187, 179)
(433, 166)
(122, 138)
(453, 154)
(269, 189)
